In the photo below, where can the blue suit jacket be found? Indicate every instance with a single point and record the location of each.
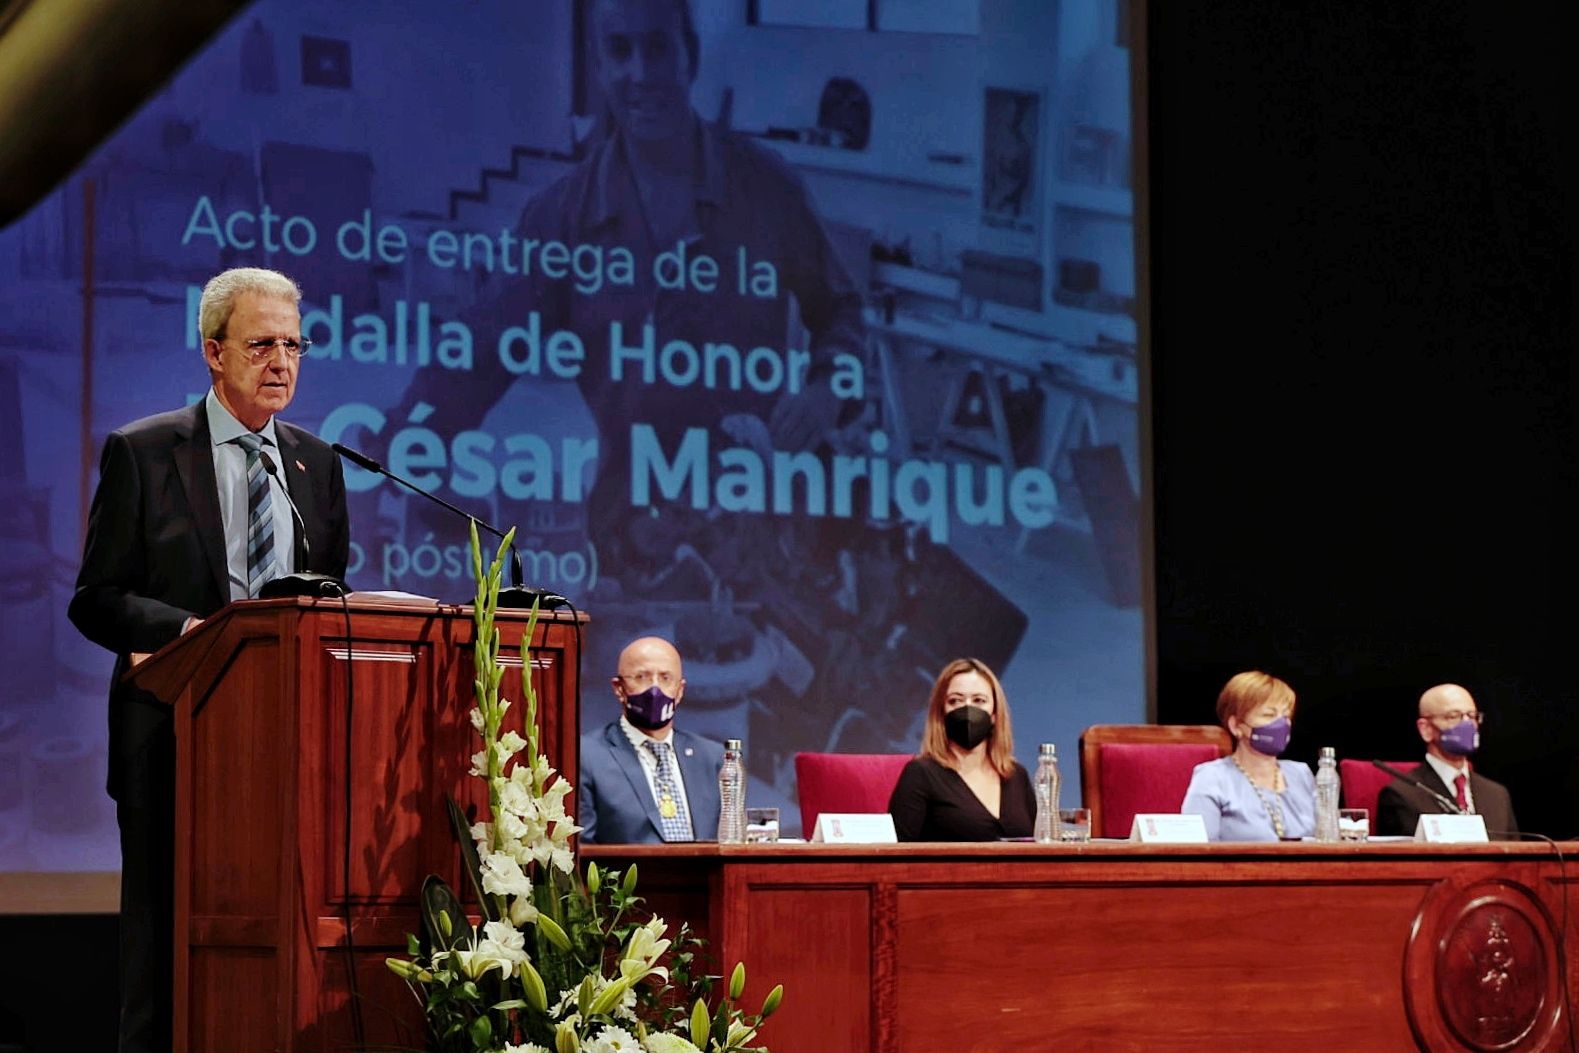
(613, 802)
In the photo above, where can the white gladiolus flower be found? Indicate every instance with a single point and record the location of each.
(522, 911)
(480, 763)
(515, 798)
(509, 745)
(477, 720)
(506, 936)
(503, 876)
(511, 828)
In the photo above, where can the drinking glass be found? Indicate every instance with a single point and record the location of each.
(1074, 824)
(762, 825)
(1354, 824)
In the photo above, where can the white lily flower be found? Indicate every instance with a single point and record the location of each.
(663, 1043)
(473, 962)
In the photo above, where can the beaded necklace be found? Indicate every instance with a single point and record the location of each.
(1271, 805)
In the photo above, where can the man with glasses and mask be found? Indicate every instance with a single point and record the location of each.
(191, 512)
(1449, 723)
(642, 780)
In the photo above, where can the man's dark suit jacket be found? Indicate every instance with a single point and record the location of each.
(614, 804)
(1401, 803)
(155, 552)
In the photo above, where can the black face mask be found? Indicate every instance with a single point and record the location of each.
(968, 726)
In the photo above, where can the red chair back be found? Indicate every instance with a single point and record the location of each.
(1363, 782)
(1126, 769)
(845, 782)
(1138, 778)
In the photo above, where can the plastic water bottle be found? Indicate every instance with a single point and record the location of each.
(1327, 795)
(1047, 784)
(732, 795)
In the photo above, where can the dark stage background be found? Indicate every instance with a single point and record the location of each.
(1363, 372)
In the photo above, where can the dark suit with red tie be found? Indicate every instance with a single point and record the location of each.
(1401, 803)
(154, 557)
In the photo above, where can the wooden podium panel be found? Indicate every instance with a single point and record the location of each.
(317, 741)
(1114, 947)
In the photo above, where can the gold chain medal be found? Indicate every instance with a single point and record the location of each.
(666, 807)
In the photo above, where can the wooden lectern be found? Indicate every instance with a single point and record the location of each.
(264, 791)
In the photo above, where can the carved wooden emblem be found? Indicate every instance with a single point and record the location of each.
(1482, 971)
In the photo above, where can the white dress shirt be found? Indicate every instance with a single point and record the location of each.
(649, 763)
(230, 476)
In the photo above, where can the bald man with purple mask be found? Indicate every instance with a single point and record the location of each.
(1449, 723)
(641, 779)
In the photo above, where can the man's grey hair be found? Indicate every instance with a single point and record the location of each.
(219, 296)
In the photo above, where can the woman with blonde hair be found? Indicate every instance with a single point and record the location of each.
(1250, 795)
(965, 784)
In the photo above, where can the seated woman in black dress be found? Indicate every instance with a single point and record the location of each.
(965, 784)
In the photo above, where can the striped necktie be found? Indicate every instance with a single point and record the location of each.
(674, 821)
(261, 564)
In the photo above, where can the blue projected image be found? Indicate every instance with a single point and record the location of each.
(809, 349)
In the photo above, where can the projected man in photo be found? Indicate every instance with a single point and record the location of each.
(787, 608)
(664, 181)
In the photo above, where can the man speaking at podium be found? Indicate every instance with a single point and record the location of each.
(193, 511)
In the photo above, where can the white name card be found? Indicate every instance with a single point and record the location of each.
(1164, 828)
(1450, 829)
(854, 828)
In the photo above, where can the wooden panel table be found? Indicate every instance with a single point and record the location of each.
(1113, 947)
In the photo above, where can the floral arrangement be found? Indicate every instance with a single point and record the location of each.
(559, 963)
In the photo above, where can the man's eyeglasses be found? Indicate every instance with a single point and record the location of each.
(1452, 719)
(642, 680)
(262, 348)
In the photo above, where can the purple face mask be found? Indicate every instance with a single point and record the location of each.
(650, 709)
(1461, 739)
(1271, 739)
